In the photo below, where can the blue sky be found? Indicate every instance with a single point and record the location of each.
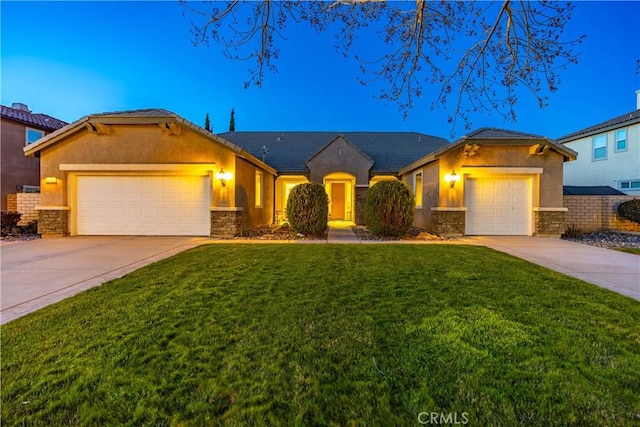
(70, 59)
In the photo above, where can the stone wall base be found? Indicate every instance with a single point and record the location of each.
(361, 198)
(53, 223)
(226, 222)
(549, 223)
(448, 223)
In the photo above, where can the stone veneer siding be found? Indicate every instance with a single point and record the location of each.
(226, 223)
(361, 199)
(25, 203)
(597, 213)
(53, 223)
(448, 223)
(549, 223)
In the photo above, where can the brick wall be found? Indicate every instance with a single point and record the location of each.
(595, 213)
(25, 203)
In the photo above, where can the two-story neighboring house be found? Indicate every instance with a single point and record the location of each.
(608, 154)
(20, 127)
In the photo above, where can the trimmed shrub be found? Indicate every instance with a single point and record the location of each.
(308, 209)
(389, 208)
(9, 222)
(630, 210)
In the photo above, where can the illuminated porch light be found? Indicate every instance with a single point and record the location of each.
(223, 177)
(51, 180)
(452, 178)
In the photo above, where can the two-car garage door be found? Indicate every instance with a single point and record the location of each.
(498, 206)
(143, 205)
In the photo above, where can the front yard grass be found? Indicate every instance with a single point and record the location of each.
(328, 335)
(635, 251)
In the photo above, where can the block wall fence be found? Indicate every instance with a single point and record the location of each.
(595, 213)
(25, 203)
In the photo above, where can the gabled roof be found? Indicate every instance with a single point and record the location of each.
(494, 136)
(594, 190)
(38, 120)
(617, 122)
(288, 152)
(146, 116)
(349, 143)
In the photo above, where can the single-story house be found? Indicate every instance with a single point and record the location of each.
(153, 172)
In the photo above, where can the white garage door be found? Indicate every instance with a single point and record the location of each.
(143, 205)
(498, 206)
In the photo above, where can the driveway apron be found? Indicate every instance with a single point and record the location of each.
(40, 272)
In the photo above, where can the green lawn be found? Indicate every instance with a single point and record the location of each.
(635, 251)
(328, 335)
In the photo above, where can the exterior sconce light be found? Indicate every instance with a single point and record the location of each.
(51, 180)
(223, 176)
(452, 178)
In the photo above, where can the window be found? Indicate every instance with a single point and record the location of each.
(630, 184)
(621, 140)
(259, 189)
(417, 188)
(32, 135)
(600, 147)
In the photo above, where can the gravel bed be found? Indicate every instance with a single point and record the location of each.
(271, 232)
(609, 239)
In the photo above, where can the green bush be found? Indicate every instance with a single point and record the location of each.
(308, 209)
(573, 231)
(9, 222)
(389, 208)
(630, 210)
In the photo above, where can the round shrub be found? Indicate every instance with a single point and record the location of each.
(308, 209)
(389, 208)
(630, 210)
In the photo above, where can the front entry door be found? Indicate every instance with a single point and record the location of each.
(337, 200)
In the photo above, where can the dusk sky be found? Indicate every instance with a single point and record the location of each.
(70, 59)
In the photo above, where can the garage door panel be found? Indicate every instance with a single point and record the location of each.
(148, 205)
(497, 206)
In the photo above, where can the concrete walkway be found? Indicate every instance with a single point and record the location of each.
(41, 272)
(607, 268)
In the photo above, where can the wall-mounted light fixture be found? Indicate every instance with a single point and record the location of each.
(452, 178)
(223, 176)
(51, 180)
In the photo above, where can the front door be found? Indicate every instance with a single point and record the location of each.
(337, 200)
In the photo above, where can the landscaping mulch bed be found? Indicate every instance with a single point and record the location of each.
(273, 232)
(608, 239)
(414, 233)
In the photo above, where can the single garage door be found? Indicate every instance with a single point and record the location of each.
(143, 205)
(498, 206)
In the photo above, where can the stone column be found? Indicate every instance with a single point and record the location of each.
(53, 221)
(448, 221)
(226, 222)
(361, 197)
(549, 221)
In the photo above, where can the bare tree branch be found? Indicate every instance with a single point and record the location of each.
(476, 53)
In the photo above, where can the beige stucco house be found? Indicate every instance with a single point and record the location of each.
(491, 182)
(152, 172)
(148, 172)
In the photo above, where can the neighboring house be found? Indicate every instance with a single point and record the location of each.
(153, 172)
(608, 154)
(491, 182)
(20, 127)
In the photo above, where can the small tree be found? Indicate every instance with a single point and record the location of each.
(630, 210)
(389, 208)
(207, 124)
(308, 209)
(232, 122)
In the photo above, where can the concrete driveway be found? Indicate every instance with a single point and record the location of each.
(40, 272)
(607, 268)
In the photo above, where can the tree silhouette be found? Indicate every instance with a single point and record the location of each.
(207, 124)
(476, 53)
(232, 122)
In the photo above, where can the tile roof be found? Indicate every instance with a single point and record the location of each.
(494, 133)
(596, 190)
(148, 112)
(39, 120)
(620, 121)
(288, 152)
